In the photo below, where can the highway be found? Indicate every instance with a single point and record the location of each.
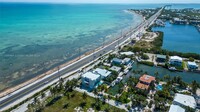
(105, 49)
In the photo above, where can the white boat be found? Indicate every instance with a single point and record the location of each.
(172, 68)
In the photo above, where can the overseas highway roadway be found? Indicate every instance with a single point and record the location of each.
(5, 103)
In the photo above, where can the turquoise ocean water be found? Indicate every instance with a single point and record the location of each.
(37, 37)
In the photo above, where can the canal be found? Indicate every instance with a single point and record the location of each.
(186, 76)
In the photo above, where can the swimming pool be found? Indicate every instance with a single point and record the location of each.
(98, 84)
(159, 87)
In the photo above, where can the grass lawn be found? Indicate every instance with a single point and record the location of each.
(184, 65)
(113, 90)
(75, 100)
(143, 44)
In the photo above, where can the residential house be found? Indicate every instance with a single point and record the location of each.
(176, 108)
(161, 58)
(145, 81)
(116, 61)
(185, 100)
(115, 68)
(175, 60)
(90, 79)
(159, 22)
(127, 61)
(102, 72)
(192, 65)
(179, 21)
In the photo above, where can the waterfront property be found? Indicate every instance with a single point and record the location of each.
(159, 22)
(184, 100)
(102, 72)
(179, 21)
(115, 68)
(161, 58)
(90, 80)
(127, 61)
(116, 61)
(175, 60)
(192, 65)
(194, 22)
(145, 82)
(186, 76)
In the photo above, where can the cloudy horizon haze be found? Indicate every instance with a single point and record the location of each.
(106, 1)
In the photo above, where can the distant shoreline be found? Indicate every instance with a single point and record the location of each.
(175, 3)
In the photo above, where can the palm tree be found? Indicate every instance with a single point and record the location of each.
(74, 82)
(65, 106)
(109, 97)
(117, 97)
(194, 86)
(95, 92)
(84, 96)
(43, 95)
(30, 107)
(61, 80)
(60, 87)
(179, 79)
(35, 100)
(156, 74)
(167, 77)
(53, 91)
(107, 109)
(67, 86)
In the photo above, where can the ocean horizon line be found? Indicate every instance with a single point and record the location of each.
(99, 3)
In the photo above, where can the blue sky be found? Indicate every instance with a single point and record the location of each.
(107, 1)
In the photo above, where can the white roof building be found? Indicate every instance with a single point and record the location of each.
(91, 76)
(104, 73)
(129, 53)
(90, 80)
(186, 100)
(115, 68)
(127, 59)
(192, 64)
(176, 58)
(177, 19)
(176, 108)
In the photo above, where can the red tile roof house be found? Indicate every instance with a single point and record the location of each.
(145, 81)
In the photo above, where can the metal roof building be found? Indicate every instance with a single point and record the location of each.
(103, 72)
(115, 68)
(185, 100)
(91, 76)
(176, 108)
